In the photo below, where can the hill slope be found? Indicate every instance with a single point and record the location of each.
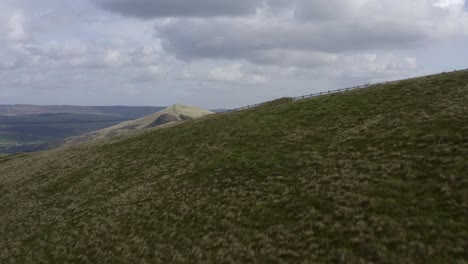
(174, 113)
(374, 175)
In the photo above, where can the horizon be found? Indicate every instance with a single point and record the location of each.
(142, 53)
(218, 108)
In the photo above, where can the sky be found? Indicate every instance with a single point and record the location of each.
(218, 53)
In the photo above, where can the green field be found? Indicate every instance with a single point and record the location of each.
(377, 175)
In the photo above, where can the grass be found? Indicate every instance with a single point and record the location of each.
(371, 176)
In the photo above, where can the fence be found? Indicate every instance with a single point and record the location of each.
(336, 91)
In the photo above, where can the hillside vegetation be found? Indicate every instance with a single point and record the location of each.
(377, 175)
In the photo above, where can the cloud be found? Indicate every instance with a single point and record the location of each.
(113, 58)
(95, 54)
(214, 52)
(298, 58)
(235, 73)
(306, 34)
(15, 56)
(279, 42)
(449, 3)
(16, 26)
(8, 61)
(180, 8)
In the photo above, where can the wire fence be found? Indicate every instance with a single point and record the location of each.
(295, 98)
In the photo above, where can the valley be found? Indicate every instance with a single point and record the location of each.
(35, 128)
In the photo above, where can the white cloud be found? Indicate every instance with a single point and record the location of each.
(235, 73)
(278, 38)
(291, 57)
(375, 67)
(113, 58)
(230, 73)
(451, 4)
(16, 26)
(7, 61)
(219, 50)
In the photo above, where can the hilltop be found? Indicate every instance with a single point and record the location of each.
(376, 175)
(173, 114)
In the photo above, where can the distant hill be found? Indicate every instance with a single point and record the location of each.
(376, 175)
(21, 131)
(128, 112)
(172, 114)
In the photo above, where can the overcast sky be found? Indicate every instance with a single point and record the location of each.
(218, 53)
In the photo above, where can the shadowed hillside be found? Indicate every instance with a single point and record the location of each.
(377, 175)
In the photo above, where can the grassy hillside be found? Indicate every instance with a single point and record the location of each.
(377, 175)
